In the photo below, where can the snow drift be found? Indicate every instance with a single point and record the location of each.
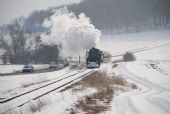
(75, 33)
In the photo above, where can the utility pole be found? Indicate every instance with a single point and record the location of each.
(79, 59)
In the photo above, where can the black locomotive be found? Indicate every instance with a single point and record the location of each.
(95, 57)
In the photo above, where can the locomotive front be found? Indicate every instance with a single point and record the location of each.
(93, 59)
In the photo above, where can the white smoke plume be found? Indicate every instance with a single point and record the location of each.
(75, 34)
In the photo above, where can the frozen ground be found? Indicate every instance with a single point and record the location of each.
(12, 86)
(151, 72)
(155, 95)
(119, 44)
(16, 81)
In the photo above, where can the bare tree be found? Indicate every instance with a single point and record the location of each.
(4, 45)
(46, 54)
(17, 45)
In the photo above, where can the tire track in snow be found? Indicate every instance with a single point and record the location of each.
(124, 105)
(160, 103)
(152, 89)
(136, 110)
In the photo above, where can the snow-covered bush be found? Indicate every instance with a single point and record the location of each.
(129, 57)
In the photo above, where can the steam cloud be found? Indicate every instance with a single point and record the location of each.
(75, 34)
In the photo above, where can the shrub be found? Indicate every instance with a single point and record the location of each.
(129, 57)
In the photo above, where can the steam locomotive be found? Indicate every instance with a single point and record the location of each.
(94, 57)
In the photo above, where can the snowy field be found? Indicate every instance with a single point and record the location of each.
(17, 81)
(150, 72)
(119, 44)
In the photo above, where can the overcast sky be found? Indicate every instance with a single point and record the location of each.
(11, 9)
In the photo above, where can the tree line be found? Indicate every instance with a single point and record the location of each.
(122, 16)
(22, 46)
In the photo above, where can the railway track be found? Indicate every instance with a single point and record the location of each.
(32, 90)
(39, 92)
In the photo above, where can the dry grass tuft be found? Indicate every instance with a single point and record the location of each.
(100, 101)
(72, 111)
(118, 80)
(100, 80)
(36, 106)
(91, 105)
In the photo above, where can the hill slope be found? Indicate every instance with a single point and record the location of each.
(119, 14)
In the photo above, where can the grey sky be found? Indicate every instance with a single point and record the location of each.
(11, 9)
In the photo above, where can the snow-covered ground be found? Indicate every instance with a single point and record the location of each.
(16, 81)
(151, 73)
(24, 99)
(10, 68)
(12, 86)
(119, 44)
(152, 99)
